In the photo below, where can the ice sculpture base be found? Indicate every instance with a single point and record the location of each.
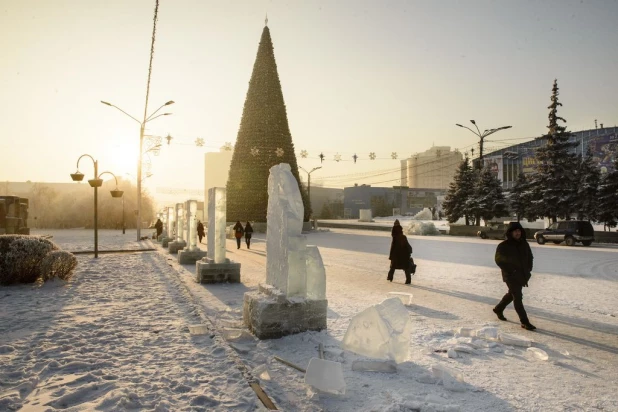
(207, 271)
(165, 241)
(175, 246)
(190, 256)
(270, 315)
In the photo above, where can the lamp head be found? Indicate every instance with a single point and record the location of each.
(77, 176)
(95, 182)
(109, 104)
(116, 192)
(168, 103)
(473, 122)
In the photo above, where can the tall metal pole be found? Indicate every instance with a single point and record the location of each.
(309, 186)
(123, 225)
(96, 212)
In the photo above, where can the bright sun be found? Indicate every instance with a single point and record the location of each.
(121, 160)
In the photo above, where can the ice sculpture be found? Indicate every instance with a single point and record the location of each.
(294, 296)
(381, 331)
(215, 267)
(178, 243)
(192, 253)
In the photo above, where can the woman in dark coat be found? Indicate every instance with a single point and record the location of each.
(159, 227)
(248, 232)
(400, 254)
(200, 230)
(238, 231)
(395, 225)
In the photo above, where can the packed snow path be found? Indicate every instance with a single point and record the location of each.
(94, 343)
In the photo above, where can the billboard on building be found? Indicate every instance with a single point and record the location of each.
(494, 163)
(604, 150)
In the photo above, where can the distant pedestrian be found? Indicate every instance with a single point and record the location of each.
(515, 258)
(159, 227)
(400, 254)
(200, 230)
(396, 224)
(238, 231)
(248, 233)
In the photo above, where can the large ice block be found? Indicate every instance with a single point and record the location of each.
(284, 224)
(325, 375)
(381, 331)
(316, 274)
(178, 222)
(216, 224)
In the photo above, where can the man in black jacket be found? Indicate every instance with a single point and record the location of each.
(514, 257)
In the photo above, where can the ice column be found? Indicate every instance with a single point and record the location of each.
(286, 247)
(216, 224)
(178, 222)
(170, 222)
(192, 219)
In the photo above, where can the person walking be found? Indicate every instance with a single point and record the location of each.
(159, 227)
(248, 232)
(400, 254)
(200, 230)
(238, 231)
(514, 258)
(396, 227)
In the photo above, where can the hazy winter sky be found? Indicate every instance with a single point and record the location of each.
(357, 77)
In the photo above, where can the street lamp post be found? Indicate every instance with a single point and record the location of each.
(95, 183)
(142, 126)
(309, 180)
(482, 136)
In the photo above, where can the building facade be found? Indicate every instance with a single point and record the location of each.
(509, 162)
(433, 168)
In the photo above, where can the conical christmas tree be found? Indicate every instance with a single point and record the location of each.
(264, 140)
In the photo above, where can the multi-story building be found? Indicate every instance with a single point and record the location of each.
(434, 168)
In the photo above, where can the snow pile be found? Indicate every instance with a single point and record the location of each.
(422, 229)
(424, 214)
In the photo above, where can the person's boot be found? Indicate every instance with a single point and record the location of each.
(528, 326)
(499, 314)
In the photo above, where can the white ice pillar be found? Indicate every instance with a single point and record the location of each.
(192, 217)
(216, 224)
(170, 222)
(178, 222)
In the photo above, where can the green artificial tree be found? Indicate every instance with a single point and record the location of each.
(556, 175)
(264, 140)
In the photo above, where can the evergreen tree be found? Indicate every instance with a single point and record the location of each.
(326, 212)
(521, 197)
(555, 179)
(608, 198)
(587, 190)
(264, 140)
(461, 189)
(488, 200)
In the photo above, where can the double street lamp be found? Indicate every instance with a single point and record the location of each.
(142, 126)
(309, 180)
(482, 136)
(96, 183)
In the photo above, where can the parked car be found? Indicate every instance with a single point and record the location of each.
(568, 231)
(493, 231)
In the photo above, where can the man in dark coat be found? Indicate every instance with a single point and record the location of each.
(514, 257)
(200, 230)
(159, 227)
(400, 254)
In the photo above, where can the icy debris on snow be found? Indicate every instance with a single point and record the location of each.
(465, 332)
(538, 354)
(236, 334)
(465, 349)
(515, 340)
(262, 372)
(198, 329)
(325, 376)
(452, 353)
(424, 214)
(480, 344)
(452, 379)
(406, 298)
(381, 331)
(374, 366)
(512, 352)
(488, 333)
(565, 353)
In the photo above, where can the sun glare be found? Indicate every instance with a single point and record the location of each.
(121, 160)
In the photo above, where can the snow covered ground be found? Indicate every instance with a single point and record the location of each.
(116, 336)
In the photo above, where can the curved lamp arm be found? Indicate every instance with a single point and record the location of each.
(109, 173)
(92, 158)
